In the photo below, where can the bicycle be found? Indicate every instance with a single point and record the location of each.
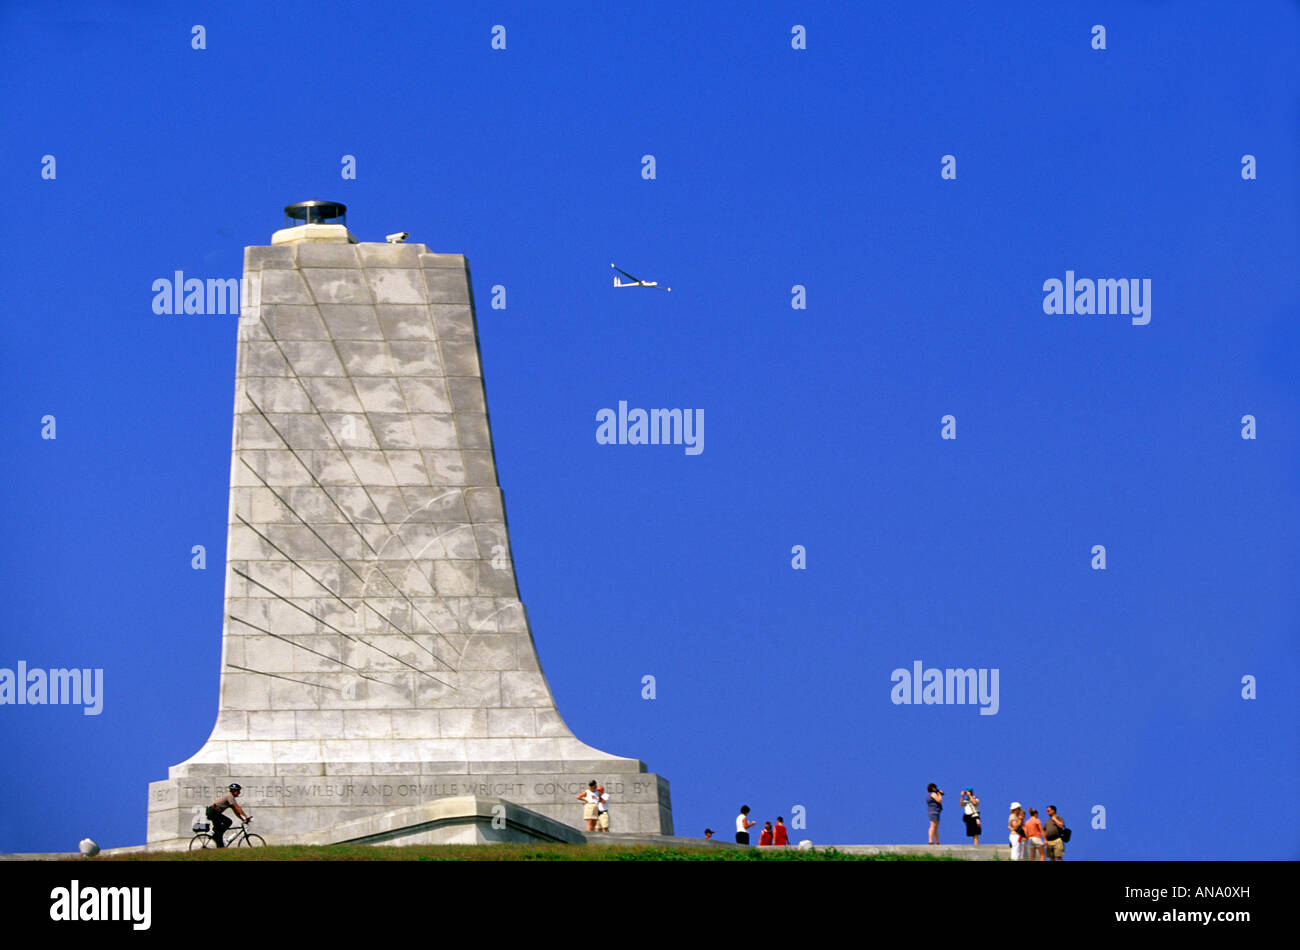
(204, 839)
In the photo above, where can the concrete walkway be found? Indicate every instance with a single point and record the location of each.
(968, 852)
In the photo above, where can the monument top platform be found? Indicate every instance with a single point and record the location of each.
(314, 234)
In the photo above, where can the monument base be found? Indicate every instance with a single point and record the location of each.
(291, 806)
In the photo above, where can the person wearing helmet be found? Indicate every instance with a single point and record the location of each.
(220, 823)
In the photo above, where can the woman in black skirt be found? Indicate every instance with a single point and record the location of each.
(970, 808)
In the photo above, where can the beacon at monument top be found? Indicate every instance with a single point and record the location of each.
(314, 222)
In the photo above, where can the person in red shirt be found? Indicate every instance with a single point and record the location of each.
(766, 836)
(780, 835)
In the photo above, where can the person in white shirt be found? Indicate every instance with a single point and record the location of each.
(743, 824)
(1015, 825)
(602, 808)
(590, 800)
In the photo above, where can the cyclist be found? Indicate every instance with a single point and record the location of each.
(219, 821)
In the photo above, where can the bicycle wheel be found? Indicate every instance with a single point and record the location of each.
(201, 841)
(252, 841)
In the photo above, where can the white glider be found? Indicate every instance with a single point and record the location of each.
(636, 281)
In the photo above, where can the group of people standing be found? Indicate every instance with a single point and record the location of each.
(970, 807)
(1030, 838)
(770, 835)
(595, 807)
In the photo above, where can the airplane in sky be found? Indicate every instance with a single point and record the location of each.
(636, 281)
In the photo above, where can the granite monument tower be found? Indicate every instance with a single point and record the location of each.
(375, 650)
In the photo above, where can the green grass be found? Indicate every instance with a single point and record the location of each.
(508, 852)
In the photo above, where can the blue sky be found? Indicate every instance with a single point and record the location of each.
(1119, 688)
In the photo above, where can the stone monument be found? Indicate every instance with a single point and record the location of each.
(375, 653)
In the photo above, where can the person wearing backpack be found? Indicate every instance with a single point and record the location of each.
(1055, 835)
